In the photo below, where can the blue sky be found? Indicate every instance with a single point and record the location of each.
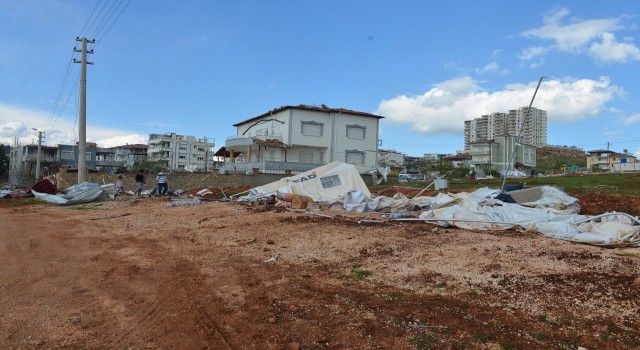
(197, 67)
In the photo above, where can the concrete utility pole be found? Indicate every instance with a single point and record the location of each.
(38, 155)
(82, 124)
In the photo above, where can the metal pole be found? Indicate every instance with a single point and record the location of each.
(82, 123)
(38, 154)
(513, 150)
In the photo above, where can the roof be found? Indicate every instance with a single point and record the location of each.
(310, 108)
(601, 151)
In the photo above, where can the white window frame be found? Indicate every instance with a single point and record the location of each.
(353, 132)
(87, 156)
(310, 127)
(331, 181)
(69, 155)
(353, 153)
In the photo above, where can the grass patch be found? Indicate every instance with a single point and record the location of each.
(480, 338)
(359, 274)
(25, 202)
(542, 318)
(508, 346)
(423, 342)
(441, 285)
(393, 296)
(538, 336)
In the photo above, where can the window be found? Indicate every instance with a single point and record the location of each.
(182, 156)
(354, 157)
(311, 128)
(87, 156)
(66, 155)
(356, 132)
(200, 158)
(200, 149)
(330, 181)
(182, 147)
(181, 166)
(305, 156)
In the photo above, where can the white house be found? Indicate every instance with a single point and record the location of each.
(298, 138)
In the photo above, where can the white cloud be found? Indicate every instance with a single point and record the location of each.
(489, 68)
(608, 132)
(573, 36)
(593, 36)
(444, 108)
(609, 50)
(17, 122)
(532, 52)
(631, 120)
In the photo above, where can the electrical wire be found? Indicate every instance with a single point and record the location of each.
(112, 23)
(89, 18)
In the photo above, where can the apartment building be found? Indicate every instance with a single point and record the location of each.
(180, 152)
(488, 127)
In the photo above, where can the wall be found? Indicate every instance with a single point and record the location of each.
(184, 181)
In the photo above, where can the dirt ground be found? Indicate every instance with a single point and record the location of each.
(136, 274)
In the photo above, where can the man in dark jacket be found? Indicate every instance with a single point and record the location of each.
(140, 181)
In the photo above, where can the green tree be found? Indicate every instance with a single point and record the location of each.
(150, 166)
(4, 164)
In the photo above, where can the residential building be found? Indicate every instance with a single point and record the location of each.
(179, 152)
(24, 160)
(68, 155)
(495, 155)
(391, 159)
(604, 159)
(488, 127)
(298, 138)
(127, 155)
(106, 159)
(458, 160)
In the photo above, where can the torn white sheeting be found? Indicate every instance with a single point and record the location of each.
(328, 183)
(85, 192)
(615, 229)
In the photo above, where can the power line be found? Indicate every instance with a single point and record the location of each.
(112, 23)
(97, 16)
(106, 18)
(89, 18)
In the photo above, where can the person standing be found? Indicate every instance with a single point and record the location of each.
(119, 186)
(163, 186)
(140, 181)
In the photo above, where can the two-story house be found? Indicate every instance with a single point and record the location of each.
(68, 155)
(606, 160)
(299, 138)
(495, 155)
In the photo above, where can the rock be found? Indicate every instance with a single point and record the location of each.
(272, 320)
(435, 229)
(294, 346)
(305, 274)
(270, 241)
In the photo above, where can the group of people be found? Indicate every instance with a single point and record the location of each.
(161, 180)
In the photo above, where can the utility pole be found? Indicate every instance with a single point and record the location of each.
(38, 155)
(206, 155)
(82, 124)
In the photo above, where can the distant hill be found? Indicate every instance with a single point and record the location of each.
(551, 158)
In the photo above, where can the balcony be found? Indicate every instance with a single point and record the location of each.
(267, 167)
(231, 143)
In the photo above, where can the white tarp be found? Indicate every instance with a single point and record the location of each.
(328, 183)
(85, 192)
(477, 211)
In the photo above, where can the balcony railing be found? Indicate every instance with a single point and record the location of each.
(267, 167)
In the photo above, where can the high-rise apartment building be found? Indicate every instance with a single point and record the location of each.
(488, 127)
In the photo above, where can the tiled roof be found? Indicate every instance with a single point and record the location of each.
(310, 108)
